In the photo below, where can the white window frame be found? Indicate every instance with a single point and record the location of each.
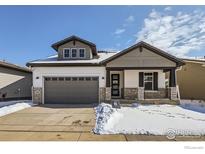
(64, 52)
(76, 52)
(84, 52)
(149, 81)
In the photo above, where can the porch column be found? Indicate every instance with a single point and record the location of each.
(141, 86)
(172, 78)
(108, 88)
(172, 85)
(107, 78)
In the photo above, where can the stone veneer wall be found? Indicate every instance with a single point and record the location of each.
(140, 93)
(37, 95)
(172, 93)
(130, 93)
(102, 94)
(160, 93)
(108, 93)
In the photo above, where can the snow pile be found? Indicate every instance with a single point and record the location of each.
(103, 112)
(13, 106)
(149, 119)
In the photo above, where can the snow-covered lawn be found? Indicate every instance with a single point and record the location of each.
(13, 106)
(150, 119)
(194, 105)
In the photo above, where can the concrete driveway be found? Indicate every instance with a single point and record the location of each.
(50, 118)
(62, 122)
(52, 122)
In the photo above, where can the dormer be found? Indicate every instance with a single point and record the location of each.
(75, 48)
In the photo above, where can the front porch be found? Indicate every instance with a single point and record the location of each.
(142, 84)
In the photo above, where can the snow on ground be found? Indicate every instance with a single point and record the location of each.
(6, 103)
(13, 106)
(149, 119)
(194, 105)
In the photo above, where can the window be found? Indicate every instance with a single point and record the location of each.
(82, 53)
(74, 78)
(81, 78)
(148, 81)
(61, 79)
(54, 78)
(94, 78)
(47, 78)
(87, 78)
(66, 53)
(67, 78)
(74, 52)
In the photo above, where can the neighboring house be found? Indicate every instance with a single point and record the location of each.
(191, 79)
(81, 74)
(15, 82)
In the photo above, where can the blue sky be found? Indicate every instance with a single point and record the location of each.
(27, 32)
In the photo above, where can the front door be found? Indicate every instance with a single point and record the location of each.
(115, 85)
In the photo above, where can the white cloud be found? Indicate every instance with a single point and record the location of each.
(129, 41)
(119, 31)
(109, 49)
(130, 18)
(168, 8)
(177, 34)
(127, 22)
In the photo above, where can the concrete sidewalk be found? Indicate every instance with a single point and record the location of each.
(63, 123)
(71, 136)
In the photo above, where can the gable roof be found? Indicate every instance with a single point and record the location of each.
(15, 67)
(75, 38)
(141, 44)
(196, 61)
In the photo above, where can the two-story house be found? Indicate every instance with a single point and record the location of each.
(78, 73)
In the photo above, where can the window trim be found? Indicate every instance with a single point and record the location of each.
(64, 52)
(84, 52)
(149, 81)
(72, 52)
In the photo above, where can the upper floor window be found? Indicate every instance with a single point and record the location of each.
(74, 52)
(66, 53)
(81, 53)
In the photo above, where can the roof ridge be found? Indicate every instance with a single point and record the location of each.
(105, 51)
(199, 60)
(54, 45)
(15, 66)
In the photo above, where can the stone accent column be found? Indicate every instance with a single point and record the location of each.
(108, 93)
(102, 94)
(37, 95)
(173, 93)
(130, 93)
(140, 93)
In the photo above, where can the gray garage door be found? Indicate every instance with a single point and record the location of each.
(71, 90)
